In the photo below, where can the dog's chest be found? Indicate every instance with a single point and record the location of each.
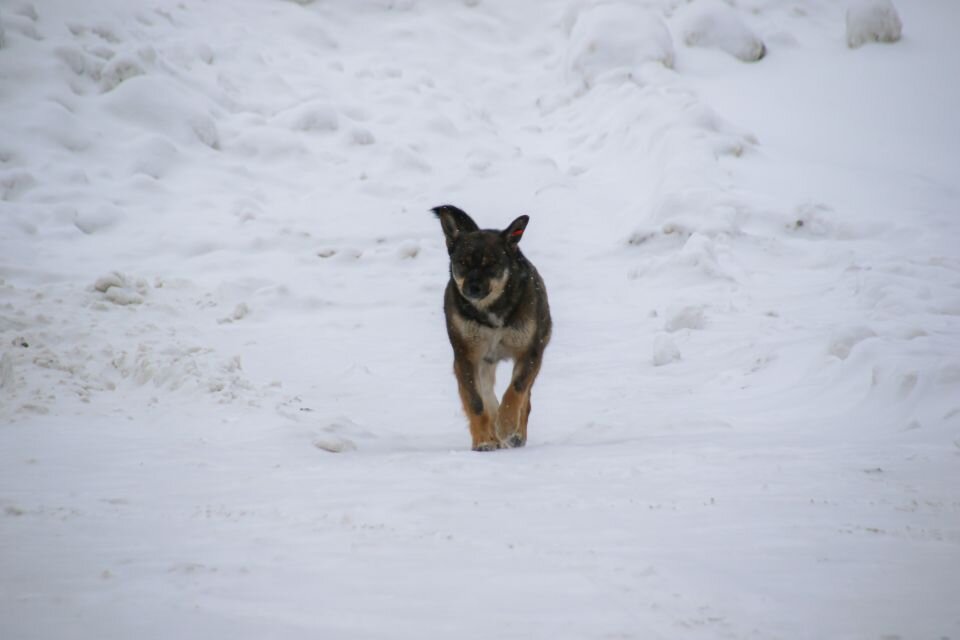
(494, 343)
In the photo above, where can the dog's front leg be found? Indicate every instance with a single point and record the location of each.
(476, 382)
(515, 411)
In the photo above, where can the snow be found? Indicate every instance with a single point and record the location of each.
(717, 25)
(872, 21)
(665, 350)
(226, 399)
(613, 41)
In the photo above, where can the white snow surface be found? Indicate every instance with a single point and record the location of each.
(227, 408)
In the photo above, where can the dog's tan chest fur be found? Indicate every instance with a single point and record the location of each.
(494, 343)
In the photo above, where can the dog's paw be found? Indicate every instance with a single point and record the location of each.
(514, 441)
(486, 446)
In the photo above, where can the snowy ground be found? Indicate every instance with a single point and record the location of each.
(226, 399)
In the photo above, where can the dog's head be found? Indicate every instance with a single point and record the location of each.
(481, 260)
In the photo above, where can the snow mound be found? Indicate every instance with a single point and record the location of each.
(240, 312)
(361, 137)
(120, 69)
(665, 350)
(684, 317)
(180, 115)
(13, 184)
(339, 435)
(872, 21)
(718, 26)
(104, 216)
(311, 116)
(154, 156)
(612, 41)
(844, 341)
(699, 252)
(119, 289)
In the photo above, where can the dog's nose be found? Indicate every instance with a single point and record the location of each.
(473, 290)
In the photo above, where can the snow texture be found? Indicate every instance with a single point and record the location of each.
(227, 408)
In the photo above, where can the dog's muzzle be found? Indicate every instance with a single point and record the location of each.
(474, 290)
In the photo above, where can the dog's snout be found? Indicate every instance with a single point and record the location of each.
(473, 289)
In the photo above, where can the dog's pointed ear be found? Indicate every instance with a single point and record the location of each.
(455, 223)
(514, 232)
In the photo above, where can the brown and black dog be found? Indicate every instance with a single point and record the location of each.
(496, 309)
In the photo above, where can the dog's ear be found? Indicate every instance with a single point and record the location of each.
(514, 232)
(454, 222)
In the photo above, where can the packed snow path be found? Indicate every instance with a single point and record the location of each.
(226, 399)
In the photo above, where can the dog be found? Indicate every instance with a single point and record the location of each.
(496, 309)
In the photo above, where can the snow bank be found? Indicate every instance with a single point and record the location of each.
(872, 21)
